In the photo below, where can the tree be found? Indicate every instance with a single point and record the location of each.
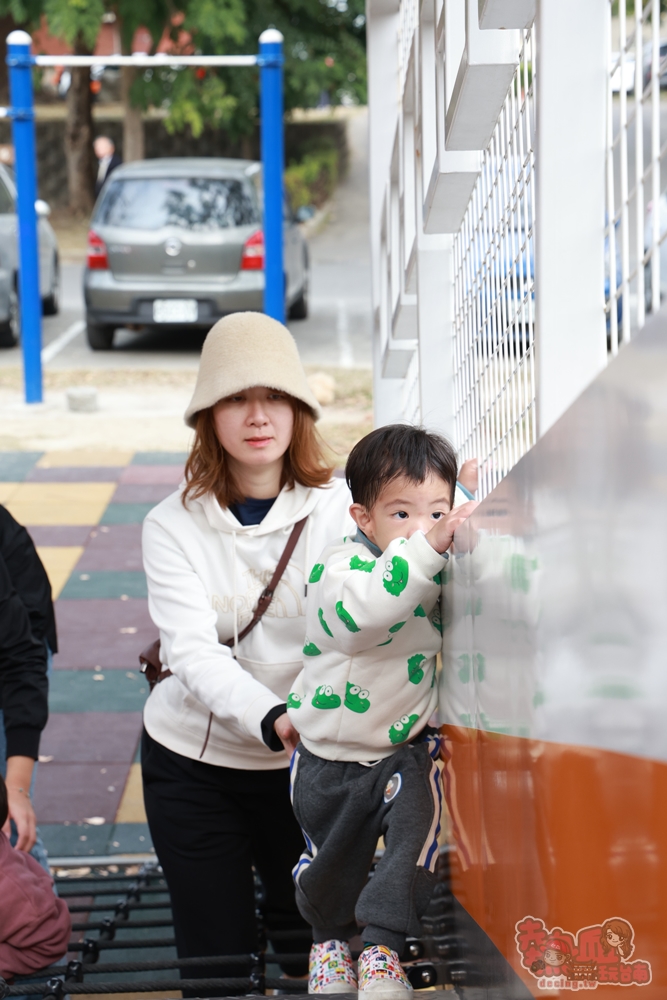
(325, 59)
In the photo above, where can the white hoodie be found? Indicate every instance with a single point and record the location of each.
(374, 629)
(205, 573)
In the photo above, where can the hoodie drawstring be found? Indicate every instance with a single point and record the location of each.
(306, 559)
(236, 615)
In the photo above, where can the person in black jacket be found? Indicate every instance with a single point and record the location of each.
(107, 158)
(27, 632)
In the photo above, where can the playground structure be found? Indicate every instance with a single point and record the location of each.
(516, 148)
(20, 62)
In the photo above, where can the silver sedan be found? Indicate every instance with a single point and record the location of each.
(49, 267)
(178, 243)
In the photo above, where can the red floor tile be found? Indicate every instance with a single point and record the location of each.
(147, 474)
(112, 547)
(91, 737)
(142, 492)
(73, 792)
(90, 633)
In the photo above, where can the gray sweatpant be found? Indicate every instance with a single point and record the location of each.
(343, 808)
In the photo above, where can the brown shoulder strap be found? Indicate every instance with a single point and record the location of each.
(266, 596)
(149, 658)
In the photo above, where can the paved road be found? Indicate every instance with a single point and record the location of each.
(338, 331)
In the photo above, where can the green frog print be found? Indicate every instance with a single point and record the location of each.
(320, 615)
(310, 649)
(400, 730)
(325, 697)
(294, 700)
(395, 576)
(415, 672)
(365, 565)
(356, 698)
(346, 618)
(316, 573)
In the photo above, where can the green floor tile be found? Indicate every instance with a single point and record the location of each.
(15, 465)
(126, 513)
(98, 584)
(78, 691)
(108, 838)
(75, 839)
(160, 458)
(130, 838)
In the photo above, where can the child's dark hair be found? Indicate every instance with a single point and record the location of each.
(4, 807)
(393, 451)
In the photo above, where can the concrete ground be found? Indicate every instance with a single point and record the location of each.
(145, 382)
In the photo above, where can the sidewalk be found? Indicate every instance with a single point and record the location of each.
(142, 410)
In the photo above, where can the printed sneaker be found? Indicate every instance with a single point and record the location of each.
(331, 969)
(381, 976)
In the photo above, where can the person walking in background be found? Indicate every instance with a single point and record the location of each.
(215, 770)
(108, 160)
(27, 633)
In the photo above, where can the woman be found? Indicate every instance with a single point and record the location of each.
(215, 770)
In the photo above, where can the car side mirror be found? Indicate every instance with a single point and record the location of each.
(304, 213)
(42, 208)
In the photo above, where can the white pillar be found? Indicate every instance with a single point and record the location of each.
(571, 87)
(382, 52)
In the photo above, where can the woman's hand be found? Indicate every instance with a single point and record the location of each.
(19, 776)
(287, 733)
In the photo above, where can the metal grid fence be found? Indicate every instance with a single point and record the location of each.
(410, 396)
(636, 222)
(494, 379)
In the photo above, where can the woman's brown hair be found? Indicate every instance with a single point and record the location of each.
(207, 470)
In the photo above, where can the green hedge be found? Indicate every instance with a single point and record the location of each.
(314, 179)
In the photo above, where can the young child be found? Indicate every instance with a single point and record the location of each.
(35, 924)
(365, 766)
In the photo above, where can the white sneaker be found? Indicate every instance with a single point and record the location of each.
(331, 969)
(381, 975)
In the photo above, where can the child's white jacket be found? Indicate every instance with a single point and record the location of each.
(373, 632)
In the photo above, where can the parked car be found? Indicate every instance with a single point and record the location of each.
(49, 267)
(178, 243)
(647, 60)
(662, 251)
(629, 73)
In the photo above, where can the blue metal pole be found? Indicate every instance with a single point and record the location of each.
(271, 126)
(23, 133)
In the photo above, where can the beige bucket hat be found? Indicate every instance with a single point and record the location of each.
(247, 349)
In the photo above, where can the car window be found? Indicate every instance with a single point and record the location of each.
(6, 200)
(199, 203)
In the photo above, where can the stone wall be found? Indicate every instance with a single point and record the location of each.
(52, 169)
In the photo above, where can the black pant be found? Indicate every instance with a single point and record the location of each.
(209, 826)
(343, 808)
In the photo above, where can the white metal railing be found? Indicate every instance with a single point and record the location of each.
(636, 222)
(494, 380)
(410, 397)
(407, 22)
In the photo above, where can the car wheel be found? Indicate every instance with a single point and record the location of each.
(51, 304)
(11, 329)
(299, 308)
(99, 336)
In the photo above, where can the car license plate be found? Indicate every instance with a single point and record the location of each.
(175, 311)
